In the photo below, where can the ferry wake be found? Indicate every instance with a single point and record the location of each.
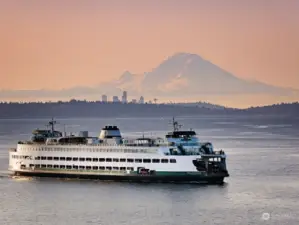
(177, 157)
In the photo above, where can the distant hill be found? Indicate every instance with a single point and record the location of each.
(281, 109)
(199, 104)
(98, 109)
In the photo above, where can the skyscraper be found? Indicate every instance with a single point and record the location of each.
(104, 98)
(115, 99)
(141, 100)
(124, 97)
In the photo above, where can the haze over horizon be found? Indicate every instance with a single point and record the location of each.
(64, 44)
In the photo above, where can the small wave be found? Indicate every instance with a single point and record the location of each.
(224, 123)
(257, 126)
(268, 126)
(20, 178)
(5, 173)
(247, 133)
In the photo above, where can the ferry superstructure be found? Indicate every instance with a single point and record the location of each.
(178, 157)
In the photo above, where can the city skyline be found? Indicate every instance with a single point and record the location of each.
(124, 99)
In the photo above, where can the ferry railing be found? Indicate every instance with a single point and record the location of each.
(94, 144)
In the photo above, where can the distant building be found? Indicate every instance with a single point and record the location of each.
(141, 100)
(124, 97)
(134, 101)
(104, 98)
(115, 99)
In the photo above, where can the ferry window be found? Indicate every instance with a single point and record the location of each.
(75, 167)
(81, 167)
(130, 168)
(88, 159)
(62, 166)
(102, 168)
(31, 165)
(95, 159)
(164, 161)
(146, 160)
(43, 166)
(122, 160)
(115, 168)
(69, 167)
(49, 166)
(156, 160)
(75, 159)
(108, 160)
(82, 159)
(108, 168)
(56, 158)
(130, 160)
(56, 166)
(43, 158)
(172, 160)
(37, 166)
(49, 158)
(95, 167)
(101, 159)
(122, 168)
(37, 158)
(62, 158)
(115, 160)
(88, 167)
(68, 159)
(138, 160)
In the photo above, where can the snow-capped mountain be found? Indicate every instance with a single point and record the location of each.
(185, 74)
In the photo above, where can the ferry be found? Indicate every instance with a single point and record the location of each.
(177, 157)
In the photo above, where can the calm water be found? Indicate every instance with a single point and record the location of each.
(263, 187)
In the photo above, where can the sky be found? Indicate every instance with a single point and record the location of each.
(67, 43)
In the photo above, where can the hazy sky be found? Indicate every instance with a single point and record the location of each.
(59, 44)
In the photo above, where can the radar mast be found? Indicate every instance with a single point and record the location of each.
(52, 123)
(176, 125)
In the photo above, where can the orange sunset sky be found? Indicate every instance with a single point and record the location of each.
(61, 44)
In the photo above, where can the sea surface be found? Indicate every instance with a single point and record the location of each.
(263, 187)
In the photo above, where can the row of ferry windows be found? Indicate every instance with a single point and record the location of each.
(101, 159)
(77, 167)
(87, 149)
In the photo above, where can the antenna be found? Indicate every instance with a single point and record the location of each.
(64, 130)
(52, 123)
(176, 125)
